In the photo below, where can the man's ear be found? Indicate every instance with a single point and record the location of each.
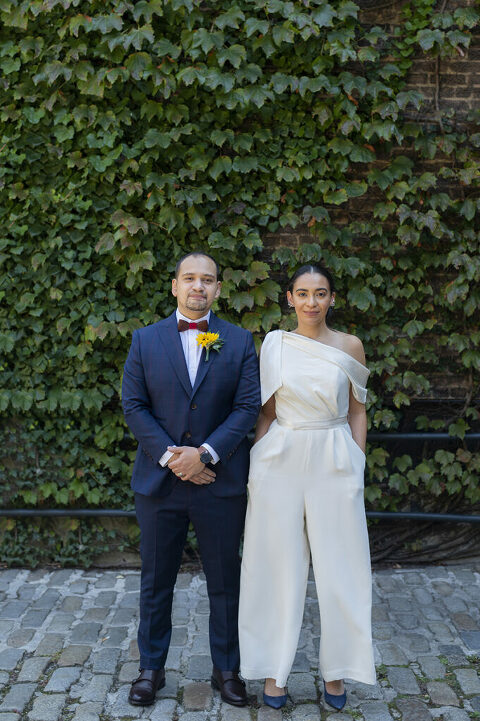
(174, 287)
(219, 288)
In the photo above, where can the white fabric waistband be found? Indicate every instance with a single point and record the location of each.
(320, 423)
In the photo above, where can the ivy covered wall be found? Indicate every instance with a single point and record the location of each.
(269, 133)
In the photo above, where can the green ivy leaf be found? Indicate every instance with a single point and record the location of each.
(253, 25)
(359, 154)
(468, 209)
(252, 321)
(258, 271)
(219, 240)
(92, 85)
(413, 328)
(10, 65)
(466, 16)
(336, 197)
(234, 54)
(155, 138)
(170, 217)
(139, 65)
(357, 188)
(272, 315)
(142, 261)
(138, 36)
(147, 8)
(196, 218)
(347, 9)
(368, 54)
(340, 145)
(106, 23)
(282, 34)
(242, 300)
(245, 165)
(230, 19)
(222, 164)
(219, 137)
(411, 96)
(287, 174)
(427, 38)
(323, 16)
(471, 359)
(458, 428)
(400, 399)
(362, 297)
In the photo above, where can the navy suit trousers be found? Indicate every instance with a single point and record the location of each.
(164, 522)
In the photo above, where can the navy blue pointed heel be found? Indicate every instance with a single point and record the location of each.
(336, 701)
(275, 701)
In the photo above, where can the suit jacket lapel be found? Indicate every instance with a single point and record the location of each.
(173, 345)
(204, 365)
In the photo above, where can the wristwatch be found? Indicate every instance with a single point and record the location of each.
(206, 457)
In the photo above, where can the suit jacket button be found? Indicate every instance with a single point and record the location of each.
(193, 406)
(188, 434)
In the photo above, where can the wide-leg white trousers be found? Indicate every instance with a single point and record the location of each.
(288, 520)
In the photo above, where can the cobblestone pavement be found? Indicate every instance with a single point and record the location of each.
(68, 651)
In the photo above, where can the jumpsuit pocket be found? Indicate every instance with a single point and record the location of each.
(353, 442)
(265, 452)
(358, 447)
(266, 439)
(358, 458)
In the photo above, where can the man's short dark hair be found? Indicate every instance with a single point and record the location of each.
(195, 253)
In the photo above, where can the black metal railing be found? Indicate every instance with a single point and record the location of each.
(374, 515)
(120, 513)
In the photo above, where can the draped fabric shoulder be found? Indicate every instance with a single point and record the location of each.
(271, 364)
(356, 371)
(358, 375)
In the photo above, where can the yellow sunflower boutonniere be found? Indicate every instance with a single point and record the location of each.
(210, 341)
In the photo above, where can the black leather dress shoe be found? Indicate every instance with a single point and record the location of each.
(231, 687)
(146, 686)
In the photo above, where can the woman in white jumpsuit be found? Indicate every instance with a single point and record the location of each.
(306, 499)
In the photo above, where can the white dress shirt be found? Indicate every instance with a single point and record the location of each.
(192, 352)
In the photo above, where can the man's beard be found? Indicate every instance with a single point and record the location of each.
(196, 303)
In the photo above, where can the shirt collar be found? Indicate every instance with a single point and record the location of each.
(180, 316)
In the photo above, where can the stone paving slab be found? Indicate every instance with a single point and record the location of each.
(68, 651)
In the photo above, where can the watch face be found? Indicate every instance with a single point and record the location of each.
(206, 457)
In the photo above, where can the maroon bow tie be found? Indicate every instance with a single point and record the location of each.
(202, 325)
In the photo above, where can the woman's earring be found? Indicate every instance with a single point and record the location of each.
(330, 310)
(290, 305)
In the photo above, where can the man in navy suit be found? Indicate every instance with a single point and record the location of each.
(191, 416)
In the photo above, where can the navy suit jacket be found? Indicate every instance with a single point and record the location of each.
(162, 409)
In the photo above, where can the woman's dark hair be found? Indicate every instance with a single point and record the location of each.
(312, 268)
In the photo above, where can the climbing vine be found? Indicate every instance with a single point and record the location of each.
(269, 133)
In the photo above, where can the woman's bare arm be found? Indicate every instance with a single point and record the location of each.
(265, 419)
(357, 419)
(357, 416)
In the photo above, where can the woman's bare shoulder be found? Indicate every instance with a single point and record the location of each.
(352, 345)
